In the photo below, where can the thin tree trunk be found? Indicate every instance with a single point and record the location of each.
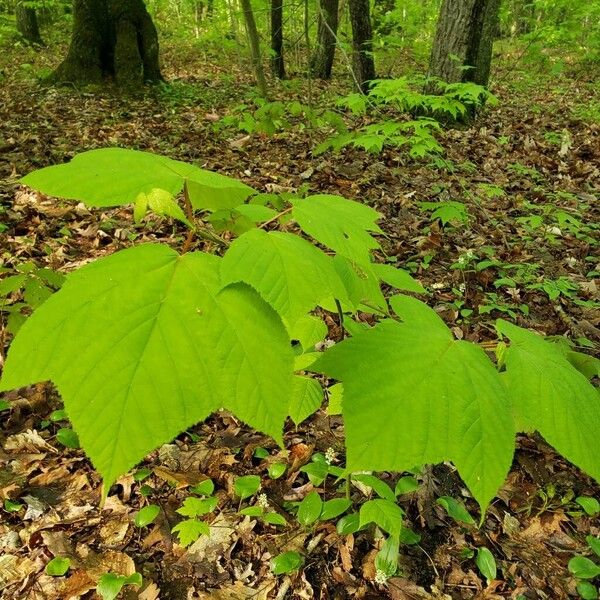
(27, 23)
(252, 31)
(362, 43)
(277, 62)
(322, 60)
(111, 38)
(462, 48)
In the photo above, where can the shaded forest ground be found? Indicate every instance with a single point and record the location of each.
(528, 172)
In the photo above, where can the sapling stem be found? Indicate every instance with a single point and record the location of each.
(273, 219)
(340, 312)
(194, 229)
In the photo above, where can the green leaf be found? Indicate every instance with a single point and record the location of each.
(12, 284)
(58, 415)
(286, 563)
(252, 511)
(486, 563)
(115, 176)
(189, 530)
(246, 486)
(146, 515)
(397, 278)
(335, 394)
(276, 470)
(4, 405)
(306, 398)
(110, 584)
(12, 506)
(409, 537)
(159, 202)
(256, 213)
(386, 560)
(406, 485)
(456, 509)
(340, 224)
(204, 488)
(583, 567)
(381, 488)
(594, 544)
(273, 518)
(385, 514)
(589, 504)
(310, 509)
(144, 344)
(67, 437)
(58, 566)
(361, 284)
(334, 508)
(587, 590)
(552, 397)
(309, 331)
(291, 274)
(584, 363)
(348, 524)
(418, 396)
(196, 507)
(142, 474)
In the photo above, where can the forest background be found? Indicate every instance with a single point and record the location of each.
(490, 201)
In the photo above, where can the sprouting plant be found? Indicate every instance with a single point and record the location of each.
(211, 326)
(586, 570)
(447, 212)
(391, 98)
(556, 288)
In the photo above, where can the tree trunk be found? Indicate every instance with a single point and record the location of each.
(362, 43)
(114, 38)
(277, 63)
(27, 23)
(321, 61)
(252, 32)
(462, 48)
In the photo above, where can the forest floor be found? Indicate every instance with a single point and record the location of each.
(528, 173)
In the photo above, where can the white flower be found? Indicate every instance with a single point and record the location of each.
(438, 286)
(330, 455)
(380, 577)
(262, 501)
(462, 288)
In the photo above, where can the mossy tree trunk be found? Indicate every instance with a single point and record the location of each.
(362, 43)
(462, 48)
(321, 61)
(111, 38)
(27, 23)
(277, 62)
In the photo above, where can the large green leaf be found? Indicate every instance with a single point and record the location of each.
(414, 395)
(116, 176)
(289, 273)
(551, 396)
(340, 224)
(144, 343)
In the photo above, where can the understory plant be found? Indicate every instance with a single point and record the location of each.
(404, 116)
(148, 341)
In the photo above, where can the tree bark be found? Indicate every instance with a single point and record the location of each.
(252, 32)
(362, 43)
(321, 61)
(277, 62)
(111, 38)
(27, 23)
(462, 48)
